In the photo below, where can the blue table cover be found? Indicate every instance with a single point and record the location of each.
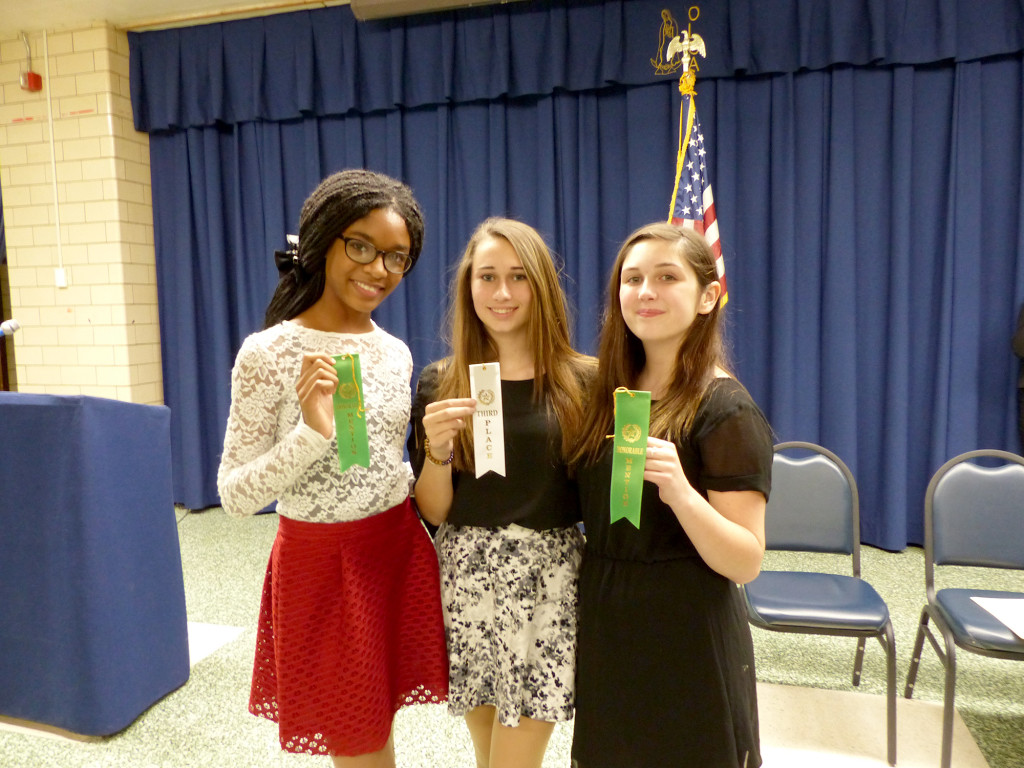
(92, 604)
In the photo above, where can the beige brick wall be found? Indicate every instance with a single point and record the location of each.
(100, 335)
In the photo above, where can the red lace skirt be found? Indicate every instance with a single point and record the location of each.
(350, 630)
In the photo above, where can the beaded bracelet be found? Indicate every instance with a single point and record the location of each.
(431, 459)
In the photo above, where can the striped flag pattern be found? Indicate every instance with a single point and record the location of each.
(693, 204)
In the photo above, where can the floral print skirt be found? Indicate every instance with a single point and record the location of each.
(509, 600)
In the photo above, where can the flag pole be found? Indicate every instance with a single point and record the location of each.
(693, 203)
(684, 142)
(687, 44)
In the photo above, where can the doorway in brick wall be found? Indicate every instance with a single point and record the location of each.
(8, 377)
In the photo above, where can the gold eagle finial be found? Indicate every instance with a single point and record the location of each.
(688, 45)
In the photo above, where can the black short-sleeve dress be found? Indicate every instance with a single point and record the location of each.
(665, 666)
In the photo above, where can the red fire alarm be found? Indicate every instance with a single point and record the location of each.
(31, 81)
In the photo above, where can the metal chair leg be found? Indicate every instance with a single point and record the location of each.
(858, 660)
(915, 659)
(948, 708)
(889, 643)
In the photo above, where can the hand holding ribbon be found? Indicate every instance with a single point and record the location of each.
(663, 468)
(443, 420)
(315, 388)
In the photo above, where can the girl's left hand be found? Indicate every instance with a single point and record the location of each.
(662, 467)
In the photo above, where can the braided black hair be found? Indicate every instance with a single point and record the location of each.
(339, 200)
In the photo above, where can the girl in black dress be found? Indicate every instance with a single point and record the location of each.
(665, 670)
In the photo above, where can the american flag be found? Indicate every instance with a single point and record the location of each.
(693, 204)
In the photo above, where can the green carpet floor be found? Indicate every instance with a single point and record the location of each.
(205, 723)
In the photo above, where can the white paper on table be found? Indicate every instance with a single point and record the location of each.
(1009, 610)
(488, 425)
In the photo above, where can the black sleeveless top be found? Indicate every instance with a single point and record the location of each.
(536, 491)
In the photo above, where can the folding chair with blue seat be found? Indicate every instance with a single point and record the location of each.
(814, 507)
(973, 516)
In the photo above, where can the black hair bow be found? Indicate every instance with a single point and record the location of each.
(288, 258)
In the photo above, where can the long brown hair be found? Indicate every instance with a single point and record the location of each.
(559, 371)
(621, 356)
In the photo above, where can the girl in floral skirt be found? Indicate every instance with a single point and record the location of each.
(509, 547)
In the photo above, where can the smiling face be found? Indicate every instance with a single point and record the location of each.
(351, 290)
(660, 295)
(501, 291)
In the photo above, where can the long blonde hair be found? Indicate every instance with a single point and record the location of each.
(559, 371)
(621, 356)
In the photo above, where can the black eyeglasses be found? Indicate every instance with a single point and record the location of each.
(362, 252)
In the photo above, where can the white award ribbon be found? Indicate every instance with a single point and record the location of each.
(488, 425)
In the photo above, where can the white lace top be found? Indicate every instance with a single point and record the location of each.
(270, 453)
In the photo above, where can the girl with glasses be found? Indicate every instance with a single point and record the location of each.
(350, 625)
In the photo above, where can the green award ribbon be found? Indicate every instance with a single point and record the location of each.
(632, 419)
(350, 414)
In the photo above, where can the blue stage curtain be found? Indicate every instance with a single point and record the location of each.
(324, 62)
(223, 199)
(869, 214)
(871, 221)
